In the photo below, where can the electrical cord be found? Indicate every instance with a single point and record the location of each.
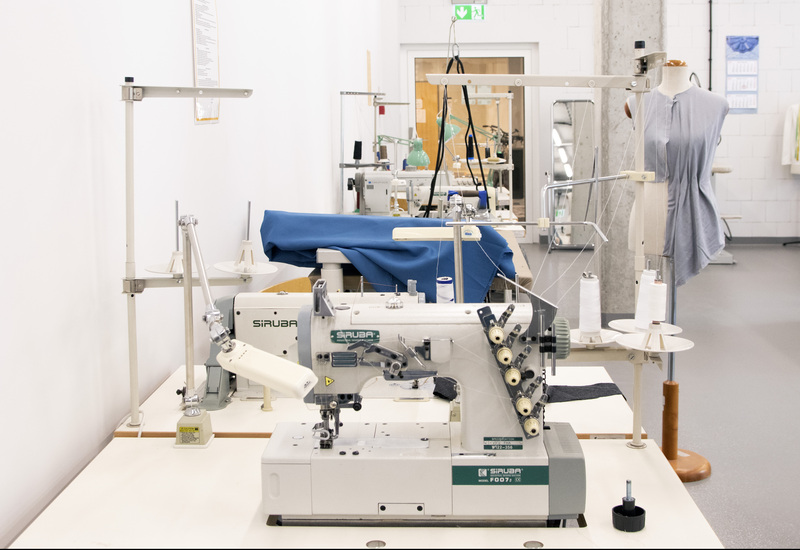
(452, 53)
(467, 134)
(439, 149)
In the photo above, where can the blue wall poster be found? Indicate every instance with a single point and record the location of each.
(741, 80)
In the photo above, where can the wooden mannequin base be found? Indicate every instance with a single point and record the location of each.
(691, 467)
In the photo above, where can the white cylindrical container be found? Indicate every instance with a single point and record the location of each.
(658, 301)
(445, 291)
(590, 314)
(642, 318)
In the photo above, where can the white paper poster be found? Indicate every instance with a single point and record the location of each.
(205, 49)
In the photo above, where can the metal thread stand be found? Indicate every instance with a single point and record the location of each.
(131, 285)
(638, 84)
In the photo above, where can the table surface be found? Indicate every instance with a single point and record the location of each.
(144, 492)
(605, 417)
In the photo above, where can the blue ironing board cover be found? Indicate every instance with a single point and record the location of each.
(366, 241)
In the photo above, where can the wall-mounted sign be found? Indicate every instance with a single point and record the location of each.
(469, 12)
(741, 81)
(205, 50)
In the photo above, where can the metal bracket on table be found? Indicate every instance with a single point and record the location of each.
(137, 286)
(628, 82)
(639, 176)
(138, 93)
(322, 305)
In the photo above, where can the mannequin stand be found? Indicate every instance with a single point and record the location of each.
(689, 465)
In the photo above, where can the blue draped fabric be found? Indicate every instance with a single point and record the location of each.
(366, 241)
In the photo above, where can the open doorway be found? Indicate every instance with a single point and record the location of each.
(500, 133)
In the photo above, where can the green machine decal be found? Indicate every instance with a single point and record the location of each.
(502, 443)
(501, 475)
(351, 336)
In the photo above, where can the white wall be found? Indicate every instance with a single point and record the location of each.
(62, 217)
(759, 188)
(558, 33)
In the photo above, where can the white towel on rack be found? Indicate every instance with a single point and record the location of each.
(790, 154)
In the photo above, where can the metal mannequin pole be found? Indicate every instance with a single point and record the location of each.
(669, 417)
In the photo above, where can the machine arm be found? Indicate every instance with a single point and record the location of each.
(218, 333)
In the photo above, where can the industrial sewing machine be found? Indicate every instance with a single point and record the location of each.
(498, 464)
(381, 193)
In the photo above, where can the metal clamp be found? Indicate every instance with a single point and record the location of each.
(133, 286)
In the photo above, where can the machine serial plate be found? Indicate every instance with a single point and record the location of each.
(502, 443)
(500, 475)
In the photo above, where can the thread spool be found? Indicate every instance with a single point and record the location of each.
(523, 405)
(658, 301)
(641, 318)
(654, 305)
(445, 291)
(589, 320)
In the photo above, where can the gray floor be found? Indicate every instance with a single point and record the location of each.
(739, 404)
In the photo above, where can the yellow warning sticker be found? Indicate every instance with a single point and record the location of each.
(188, 429)
(328, 381)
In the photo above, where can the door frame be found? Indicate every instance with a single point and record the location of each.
(530, 54)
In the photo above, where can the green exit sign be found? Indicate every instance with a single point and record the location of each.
(469, 12)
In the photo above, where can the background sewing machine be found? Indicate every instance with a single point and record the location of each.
(497, 463)
(381, 193)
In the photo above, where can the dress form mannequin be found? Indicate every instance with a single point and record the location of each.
(682, 128)
(674, 78)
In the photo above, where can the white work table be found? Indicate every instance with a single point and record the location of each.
(605, 417)
(143, 492)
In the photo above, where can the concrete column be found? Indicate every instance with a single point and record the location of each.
(620, 23)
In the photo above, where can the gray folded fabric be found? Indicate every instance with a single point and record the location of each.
(559, 394)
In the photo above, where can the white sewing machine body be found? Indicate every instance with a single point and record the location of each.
(380, 192)
(417, 474)
(268, 321)
(499, 464)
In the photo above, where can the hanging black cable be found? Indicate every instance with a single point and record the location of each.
(468, 134)
(710, 43)
(440, 149)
